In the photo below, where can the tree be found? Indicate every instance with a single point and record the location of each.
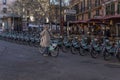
(37, 8)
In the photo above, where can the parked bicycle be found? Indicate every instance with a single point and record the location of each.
(53, 49)
(117, 53)
(96, 48)
(75, 46)
(112, 50)
(66, 44)
(84, 46)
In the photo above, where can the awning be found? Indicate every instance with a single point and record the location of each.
(83, 21)
(96, 20)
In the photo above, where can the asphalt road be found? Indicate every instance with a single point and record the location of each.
(19, 62)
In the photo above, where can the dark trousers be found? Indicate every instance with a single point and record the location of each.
(46, 50)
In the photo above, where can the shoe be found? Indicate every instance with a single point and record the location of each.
(45, 54)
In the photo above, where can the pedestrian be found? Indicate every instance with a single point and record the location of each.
(107, 33)
(45, 40)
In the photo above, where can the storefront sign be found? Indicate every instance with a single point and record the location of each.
(69, 18)
(70, 11)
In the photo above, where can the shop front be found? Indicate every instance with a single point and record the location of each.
(11, 22)
(114, 23)
(78, 27)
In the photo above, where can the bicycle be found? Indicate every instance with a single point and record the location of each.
(96, 48)
(108, 50)
(66, 44)
(117, 52)
(113, 50)
(75, 46)
(53, 49)
(84, 47)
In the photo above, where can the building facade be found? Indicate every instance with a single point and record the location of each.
(87, 9)
(107, 10)
(8, 19)
(3, 9)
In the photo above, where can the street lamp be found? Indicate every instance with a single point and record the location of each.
(56, 17)
(49, 14)
(60, 15)
(13, 19)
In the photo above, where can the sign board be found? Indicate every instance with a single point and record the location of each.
(96, 17)
(70, 11)
(69, 18)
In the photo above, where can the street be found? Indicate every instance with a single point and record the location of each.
(21, 62)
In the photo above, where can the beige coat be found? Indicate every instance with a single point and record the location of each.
(45, 38)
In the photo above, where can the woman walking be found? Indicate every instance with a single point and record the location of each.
(45, 40)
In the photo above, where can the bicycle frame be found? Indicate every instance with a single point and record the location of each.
(52, 46)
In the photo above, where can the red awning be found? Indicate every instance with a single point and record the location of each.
(95, 20)
(83, 21)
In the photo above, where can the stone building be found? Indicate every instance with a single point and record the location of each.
(105, 11)
(8, 19)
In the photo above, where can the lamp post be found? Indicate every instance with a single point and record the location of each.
(13, 19)
(56, 17)
(49, 14)
(60, 15)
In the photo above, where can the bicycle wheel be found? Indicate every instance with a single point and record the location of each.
(64, 49)
(41, 49)
(82, 52)
(118, 56)
(55, 53)
(74, 50)
(107, 56)
(94, 54)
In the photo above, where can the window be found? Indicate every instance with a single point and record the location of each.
(97, 12)
(82, 16)
(118, 10)
(108, 9)
(97, 2)
(76, 7)
(81, 7)
(84, 5)
(88, 4)
(112, 8)
(89, 15)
